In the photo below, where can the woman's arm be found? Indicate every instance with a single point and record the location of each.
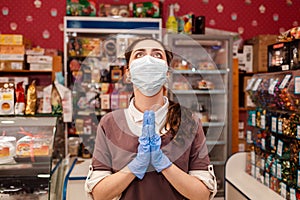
(113, 185)
(187, 185)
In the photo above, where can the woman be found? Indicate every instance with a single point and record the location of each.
(154, 149)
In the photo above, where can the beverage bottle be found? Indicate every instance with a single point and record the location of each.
(172, 25)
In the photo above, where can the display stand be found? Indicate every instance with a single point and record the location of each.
(240, 185)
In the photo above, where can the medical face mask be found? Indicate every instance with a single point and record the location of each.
(148, 74)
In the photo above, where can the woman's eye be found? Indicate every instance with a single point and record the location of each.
(157, 55)
(138, 55)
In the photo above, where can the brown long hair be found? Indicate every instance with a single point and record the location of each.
(176, 113)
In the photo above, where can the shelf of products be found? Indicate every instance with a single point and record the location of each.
(95, 68)
(29, 164)
(200, 80)
(274, 133)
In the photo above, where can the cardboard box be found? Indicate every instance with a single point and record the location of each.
(12, 49)
(12, 57)
(40, 59)
(7, 92)
(14, 39)
(260, 51)
(11, 65)
(40, 67)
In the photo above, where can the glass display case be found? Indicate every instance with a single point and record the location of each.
(200, 79)
(95, 68)
(27, 166)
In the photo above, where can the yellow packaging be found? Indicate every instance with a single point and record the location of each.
(31, 99)
(12, 49)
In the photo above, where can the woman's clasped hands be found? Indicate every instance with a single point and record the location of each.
(149, 151)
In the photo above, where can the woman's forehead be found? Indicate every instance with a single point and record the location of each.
(148, 44)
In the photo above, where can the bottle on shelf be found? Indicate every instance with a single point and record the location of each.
(172, 24)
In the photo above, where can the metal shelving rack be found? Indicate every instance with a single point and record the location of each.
(216, 51)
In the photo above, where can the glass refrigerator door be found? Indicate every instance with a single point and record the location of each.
(200, 80)
(95, 69)
(26, 148)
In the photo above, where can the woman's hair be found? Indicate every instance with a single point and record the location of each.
(176, 114)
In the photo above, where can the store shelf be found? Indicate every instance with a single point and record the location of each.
(213, 124)
(199, 91)
(245, 184)
(25, 71)
(199, 72)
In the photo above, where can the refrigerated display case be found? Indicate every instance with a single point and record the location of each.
(28, 167)
(200, 79)
(94, 68)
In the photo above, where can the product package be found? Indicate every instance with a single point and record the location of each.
(7, 98)
(20, 99)
(31, 99)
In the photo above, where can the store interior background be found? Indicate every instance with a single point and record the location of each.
(44, 25)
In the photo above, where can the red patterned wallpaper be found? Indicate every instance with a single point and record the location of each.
(43, 25)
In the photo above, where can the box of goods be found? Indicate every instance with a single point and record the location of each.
(12, 57)
(81, 8)
(14, 39)
(109, 10)
(11, 65)
(260, 51)
(34, 148)
(43, 63)
(12, 49)
(7, 92)
(279, 57)
(295, 54)
(7, 149)
(147, 9)
(83, 46)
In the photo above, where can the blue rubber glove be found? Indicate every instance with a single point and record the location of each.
(139, 165)
(158, 159)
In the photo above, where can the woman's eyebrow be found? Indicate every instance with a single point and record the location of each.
(157, 50)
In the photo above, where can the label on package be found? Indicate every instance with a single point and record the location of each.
(285, 80)
(272, 86)
(263, 143)
(292, 194)
(279, 148)
(297, 85)
(253, 117)
(279, 129)
(272, 141)
(267, 179)
(279, 171)
(283, 190)
(257, 83)
(250, 83)
(249, 136)
(274, 124)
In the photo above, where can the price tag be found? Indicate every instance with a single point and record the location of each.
(274, 124)
(279, 130)
(273, 170)
(298, 178)
(272, 141)
(298, 131)
(262, 164)
(297, 85)
(253, 117)
(252, 157)
(255, 87)
(272, 86)
(263, 122)
(279, 148)
(249, 136)
(278, 171)
(263, 143)
(285, 80)
(257, 173)
(283, 190)
(267, 179)
(292, 194)
(250, 83)
(241, 134)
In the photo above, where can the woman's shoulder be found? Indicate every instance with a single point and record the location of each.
(112, 117)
